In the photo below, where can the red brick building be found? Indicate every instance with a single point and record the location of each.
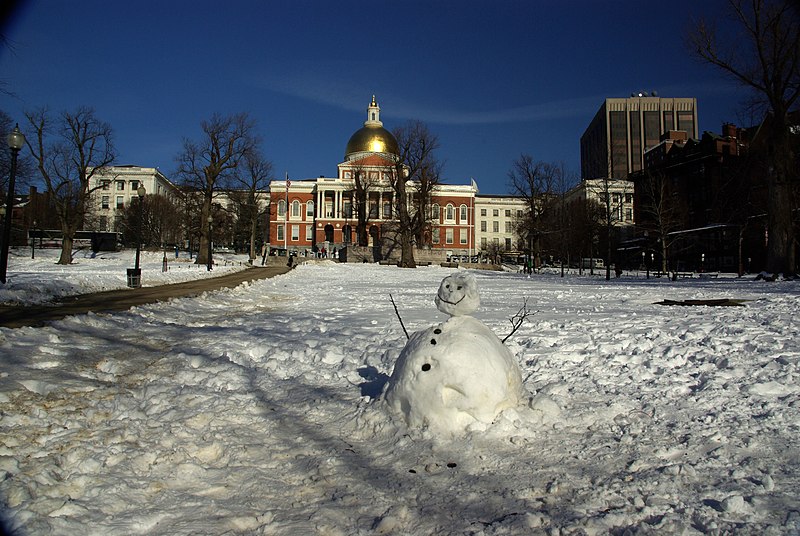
(311, 214)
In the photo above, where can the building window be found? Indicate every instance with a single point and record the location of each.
(295, 209)
(483, 212)
(484, 243)
(387, 210)
(508, 244)
(134, 185)
(120, 185)
(508, 227)
(462, 236)
(310, 233)
(448, 235)
(295, 233)
(105, 184)
(347, 207)
(435, 212)
(519, 213)
(628, 214)
(508, 213)
(310, 209)
(495, 226)
(105, 202)
(483, 226)
(463, 213)
(629, 198)
(280, 232)
(347, 175)
(281, 208)
(120, 202)
(450, 212)
(435, 235)
(495, 212)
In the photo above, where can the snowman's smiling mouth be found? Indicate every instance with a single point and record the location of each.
(455, 302)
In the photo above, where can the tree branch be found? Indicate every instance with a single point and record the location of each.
(398, 316)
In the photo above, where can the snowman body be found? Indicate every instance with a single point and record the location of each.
(455, 374)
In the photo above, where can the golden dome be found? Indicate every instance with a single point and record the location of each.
(372, 139)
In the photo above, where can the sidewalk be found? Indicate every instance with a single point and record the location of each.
(123, 299)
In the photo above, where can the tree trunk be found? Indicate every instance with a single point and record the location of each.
(66, 250)
(780, 243)
(202, 252)
(253, 225)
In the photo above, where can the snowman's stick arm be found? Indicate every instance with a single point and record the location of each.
(399, 317)
(518, 319)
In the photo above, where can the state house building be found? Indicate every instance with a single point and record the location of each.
(310, 214)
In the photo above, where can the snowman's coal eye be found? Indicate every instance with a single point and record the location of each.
(459, 287)
(426, 367)
(437, 331)
(447, 287)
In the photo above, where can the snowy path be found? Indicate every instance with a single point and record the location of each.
(242, 412)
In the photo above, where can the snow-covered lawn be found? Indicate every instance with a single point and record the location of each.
(41, 280)
(255, 410)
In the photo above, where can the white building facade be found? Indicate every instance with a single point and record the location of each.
(114, 187)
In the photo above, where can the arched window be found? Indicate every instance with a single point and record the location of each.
(295, 209)
(463, 214)
(450, 212)
(435, 214)
(282, 208)
(310, 209)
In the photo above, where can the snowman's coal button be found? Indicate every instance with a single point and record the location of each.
(437, 331)
(433, 341)
(426, 367)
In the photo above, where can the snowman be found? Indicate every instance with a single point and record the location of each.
(456, 375)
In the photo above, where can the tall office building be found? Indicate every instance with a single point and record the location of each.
(614, 143)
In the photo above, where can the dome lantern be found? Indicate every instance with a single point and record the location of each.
(372, 137)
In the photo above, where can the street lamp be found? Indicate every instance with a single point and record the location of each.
(210, 220)
(140, 191)
(135, 275)
(16, 140)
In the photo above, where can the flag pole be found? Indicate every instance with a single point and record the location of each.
(286, 218)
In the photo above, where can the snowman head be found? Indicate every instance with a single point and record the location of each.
(458, 294)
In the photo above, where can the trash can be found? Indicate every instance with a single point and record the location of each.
(134, 277)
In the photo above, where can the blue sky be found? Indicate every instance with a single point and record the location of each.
(492, 79)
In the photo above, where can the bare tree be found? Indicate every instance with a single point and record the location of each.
(767, 61)
(82, 147)
(662, 214)
(207, 165)
(537, 183)
(360, 189)
(413, 180)
(611, 193)
(160, 221)
(252, 178)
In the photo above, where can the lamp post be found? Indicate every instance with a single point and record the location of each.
(15, 140)
(210, 220)
(135, 274)
(33, 242)
(140, 191)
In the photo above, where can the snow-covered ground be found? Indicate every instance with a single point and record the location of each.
(255, 410)
(39, 280)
